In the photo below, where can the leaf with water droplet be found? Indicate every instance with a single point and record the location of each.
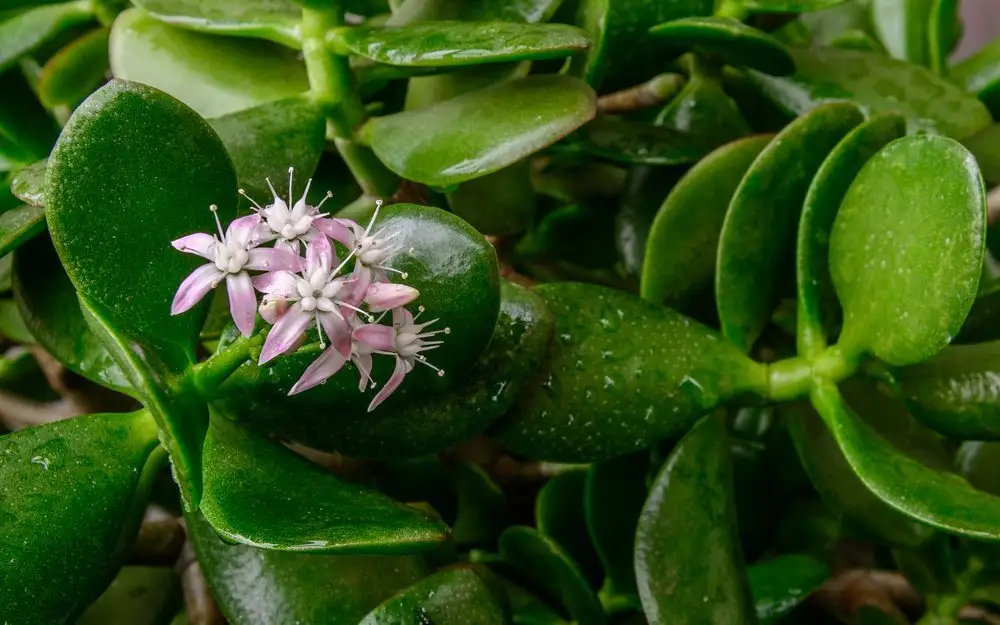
(451, 597)
(783, 582)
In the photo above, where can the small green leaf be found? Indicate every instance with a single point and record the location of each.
(540, 560)
(979, 73)
(19, 225)
(139, 595)
(682, 244)
(27, 131)
(451, 597)
(72, 495)
(875, 83)
(781, 583)
(914, 218)
(622, 374)
(255, 586)
(482, 505)
(758, 232)
(500, 203)
(480, 132)
(979, 462)
(213, 75)
(69, 76)
(826, 192)
(788, 6)
(448, 43)
(983, 322)
(687, 553)
(275, 20)
(26, 31)
(29, 184)
(525, 11)
(12, 324)
(902, 27)
(940, 499)
(732, 40)
(559, 515)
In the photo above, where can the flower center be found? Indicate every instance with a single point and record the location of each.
(318, 292)
(230, 257)
(373, 251)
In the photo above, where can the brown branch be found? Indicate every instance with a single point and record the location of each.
(17, 413)
(654, 92)
(160, 539)
(889, 592)
(993, 206)
(201, 608)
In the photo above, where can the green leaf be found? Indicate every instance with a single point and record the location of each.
(875, 83)
(979, 463)
(12, 324)
(816, 297)
(26, 129)
(525, 11)
(481, 505)
(622, 374)
(730, 39)
(788, 6)
(940, 499)
(979, 73)
(982, 322)
(541, 561)
(48, 304)
(72, 494)
(264, 141)
(19, 225)
(914, 218)
(72, 73)
(255, 586)
(455, 597)
(139, 595)
(452, 43)
(559, 515)
(213, 75)
(954, 392)
(26, 31)
(682, 244)
(480, 132)
(108, 194)
(781, 583)
(688, 561)
(275, 20)
(902, 27)
(29, 184)
(500, 203)
(758, 231)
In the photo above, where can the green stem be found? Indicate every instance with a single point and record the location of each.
(210, 374)
(793, 377)
(332, 84)
(732, 8)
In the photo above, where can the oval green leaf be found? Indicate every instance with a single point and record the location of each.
(454, 597)
(498, 204)
(213, 75)
(26, 31)
(915, 219)
(758, 231)
(827, 190)
(787, 6)
(688, 561)
(27, 131)
(559, 515)
(19, 225)
(275, 20)
(69, 76)
(72, 494)
(902, 26)
(682, 244)
(12, 324)
(28, 185)
(781, 583)
(482, 508)
(979, 73)
(480, 132)
(983, 322)
(730, 39)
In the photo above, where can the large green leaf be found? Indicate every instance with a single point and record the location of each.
(71, 74)
(758, 232)
(688, 561)
(451, 597)
(622, 374)
(480, 132)
(875, 83)
(781, 583)
(731, 40)
(254, 586)
(915, 219)
(276, 20)
(213, 75)
(452, 43)
(72, 494)
(26, 31)
(826, 192)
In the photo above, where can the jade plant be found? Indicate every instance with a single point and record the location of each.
(506, 311)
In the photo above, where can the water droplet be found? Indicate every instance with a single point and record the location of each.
(41, 460)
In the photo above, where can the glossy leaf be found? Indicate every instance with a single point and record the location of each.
(85, 482)
(29, 184)
(979, 463)
(979, 73)
(982, 322)
(27, 131)
(680, 251)
(452, 43)
(875, 83)
(526, 11)
(644, 190)
(12, 324)
(19, 225)
(481, 505)
(276, 20)
(688, 561)
(902, 27)
(788, 6)
(264, 141)
(480, 132)
(781, 583)
(940, 499)
(732, 40)
(622, 374)
(254, 586)
(541, 561)
(451, 597)
(26, 31)
(913, 218)
(139, 595)
(758, 230)
(559, 515)
(826, 192)
(48, 304)
(69, 76)
(500, 203)
(213, 75)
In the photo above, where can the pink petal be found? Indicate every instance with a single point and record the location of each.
(271, 310)
(194, 287)
(401, 317)
(278, 283)
(361, 280)
(385, 296)
(397, 378)
(321, 369)
(337, 331)
(336, 230)
(319, 255)
(285, 332)
(376, 337)
(198, 243)
(272, 259)
(242, 230)
(242, 301)
(291, 246)
(364, 364)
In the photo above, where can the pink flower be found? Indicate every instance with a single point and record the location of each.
(332, 360)
(231, 254)
(373, 250)
(288, 227)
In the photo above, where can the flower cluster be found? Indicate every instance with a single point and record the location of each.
(319, 290)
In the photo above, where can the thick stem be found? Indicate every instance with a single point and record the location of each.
(210, 374)
(792, 378)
